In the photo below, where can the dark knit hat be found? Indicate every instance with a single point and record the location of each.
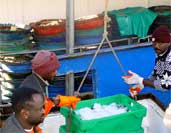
(161, 35)
(45, 62)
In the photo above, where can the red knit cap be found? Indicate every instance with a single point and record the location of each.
(45, 62)
(161, 35)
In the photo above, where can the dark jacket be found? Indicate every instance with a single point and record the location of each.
(12, 126)
(35, 82)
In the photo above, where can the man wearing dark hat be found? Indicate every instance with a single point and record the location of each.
(160, 78)
(44, 68)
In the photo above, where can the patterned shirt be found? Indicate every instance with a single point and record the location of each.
(161, 75)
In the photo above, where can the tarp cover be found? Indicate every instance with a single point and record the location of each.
(134, 20)
(166, 13)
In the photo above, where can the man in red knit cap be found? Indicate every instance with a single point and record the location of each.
(44, 68)
(45, 65)
(160, 78)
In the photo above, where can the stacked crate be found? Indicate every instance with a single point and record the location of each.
(129, 122)
(14, 38)
(89, 29)
(49, 33)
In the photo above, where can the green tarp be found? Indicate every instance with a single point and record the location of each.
(134, 20)
(167, 13)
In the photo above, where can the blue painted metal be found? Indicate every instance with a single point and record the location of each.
(107, 76)
(88, 40)
(55, 90)
(16, 68)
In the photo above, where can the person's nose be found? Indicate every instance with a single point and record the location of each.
(156, 45)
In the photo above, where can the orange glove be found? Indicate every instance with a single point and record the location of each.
(134, 90)
(69, 101)
(48, 105)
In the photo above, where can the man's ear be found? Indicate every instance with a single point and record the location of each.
(24, 113)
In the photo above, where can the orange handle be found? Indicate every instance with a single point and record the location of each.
(134, 90)
(69, 101)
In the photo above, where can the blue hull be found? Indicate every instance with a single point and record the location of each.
(107, 74)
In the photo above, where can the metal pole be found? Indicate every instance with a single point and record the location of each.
(69, 26)
(69, 81)
(0, 96)
(0, 85)
(69, 43)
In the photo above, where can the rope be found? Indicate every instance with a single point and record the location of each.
(98, 49)
(105, 17)
(91, 63)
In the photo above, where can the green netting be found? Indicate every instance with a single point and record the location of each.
(134, 20)
(14, 48)
(89, 33)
